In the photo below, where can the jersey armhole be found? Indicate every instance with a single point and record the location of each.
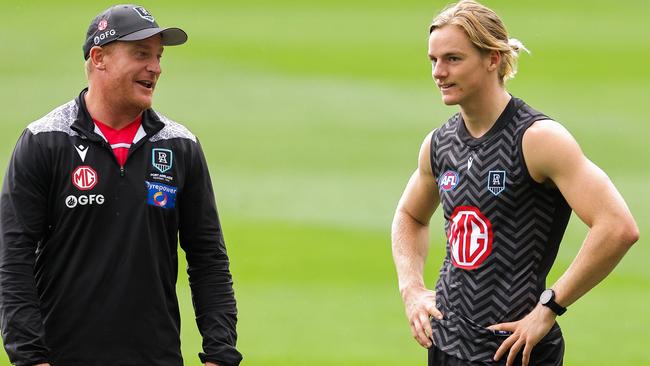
(520, 144)
(432, 155)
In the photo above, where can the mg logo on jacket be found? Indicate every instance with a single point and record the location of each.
(469, 237)
(84, 178)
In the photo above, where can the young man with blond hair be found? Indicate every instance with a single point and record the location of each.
(507, 177)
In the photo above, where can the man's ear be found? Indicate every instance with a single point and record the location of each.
(96, 57)
(495, 60)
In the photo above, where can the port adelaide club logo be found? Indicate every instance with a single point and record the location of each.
(496, 181)
(143, 13)
(469, 237)
(162, 159)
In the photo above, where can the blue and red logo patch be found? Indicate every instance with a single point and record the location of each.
(161, 195)
(448, 180)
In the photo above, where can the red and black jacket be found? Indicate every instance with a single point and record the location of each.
(88, 249)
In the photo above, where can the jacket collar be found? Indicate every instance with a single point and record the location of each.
(84, 124)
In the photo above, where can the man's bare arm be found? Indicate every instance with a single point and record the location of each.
(410, 245)
(552, 155)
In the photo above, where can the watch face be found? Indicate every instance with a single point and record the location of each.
(546, 296)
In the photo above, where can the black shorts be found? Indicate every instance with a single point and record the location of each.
(548, 354)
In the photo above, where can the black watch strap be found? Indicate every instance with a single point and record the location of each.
(547, 298)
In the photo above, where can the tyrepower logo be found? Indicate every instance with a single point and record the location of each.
(84, 178)
(84, 200)
(161, 195)
(470, 237)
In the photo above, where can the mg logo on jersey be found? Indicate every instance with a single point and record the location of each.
(448, 180)
(470, 237)
(84, 178)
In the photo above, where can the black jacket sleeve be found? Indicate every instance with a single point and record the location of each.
(208, 265)
(23, 212)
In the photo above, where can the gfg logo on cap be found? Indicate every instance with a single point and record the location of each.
(104, 35)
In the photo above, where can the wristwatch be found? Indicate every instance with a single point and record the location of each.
(547, 298)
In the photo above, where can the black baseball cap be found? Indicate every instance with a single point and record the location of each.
(128, 23)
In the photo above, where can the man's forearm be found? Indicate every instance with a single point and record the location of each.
(20, 316)
(601, 251)
(20, 311)
(410, 244)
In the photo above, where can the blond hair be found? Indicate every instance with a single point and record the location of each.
(485, 30)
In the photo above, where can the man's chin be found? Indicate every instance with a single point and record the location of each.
(448, 100)
(144, 103)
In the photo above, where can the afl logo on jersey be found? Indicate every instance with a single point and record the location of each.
(470, 237)
(448, 180)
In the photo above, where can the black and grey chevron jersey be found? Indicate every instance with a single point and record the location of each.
(503, 232)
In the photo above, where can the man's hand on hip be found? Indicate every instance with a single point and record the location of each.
(420, 306)
(526, 333)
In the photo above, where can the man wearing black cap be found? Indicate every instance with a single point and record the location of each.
(95, 198)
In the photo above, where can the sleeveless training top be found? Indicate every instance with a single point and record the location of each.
(503, 232)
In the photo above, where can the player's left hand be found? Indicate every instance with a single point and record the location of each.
(210, 364)
(526, 333)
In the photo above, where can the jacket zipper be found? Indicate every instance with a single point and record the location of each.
(94, 137)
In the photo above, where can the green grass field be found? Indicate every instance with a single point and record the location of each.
(311, 114)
